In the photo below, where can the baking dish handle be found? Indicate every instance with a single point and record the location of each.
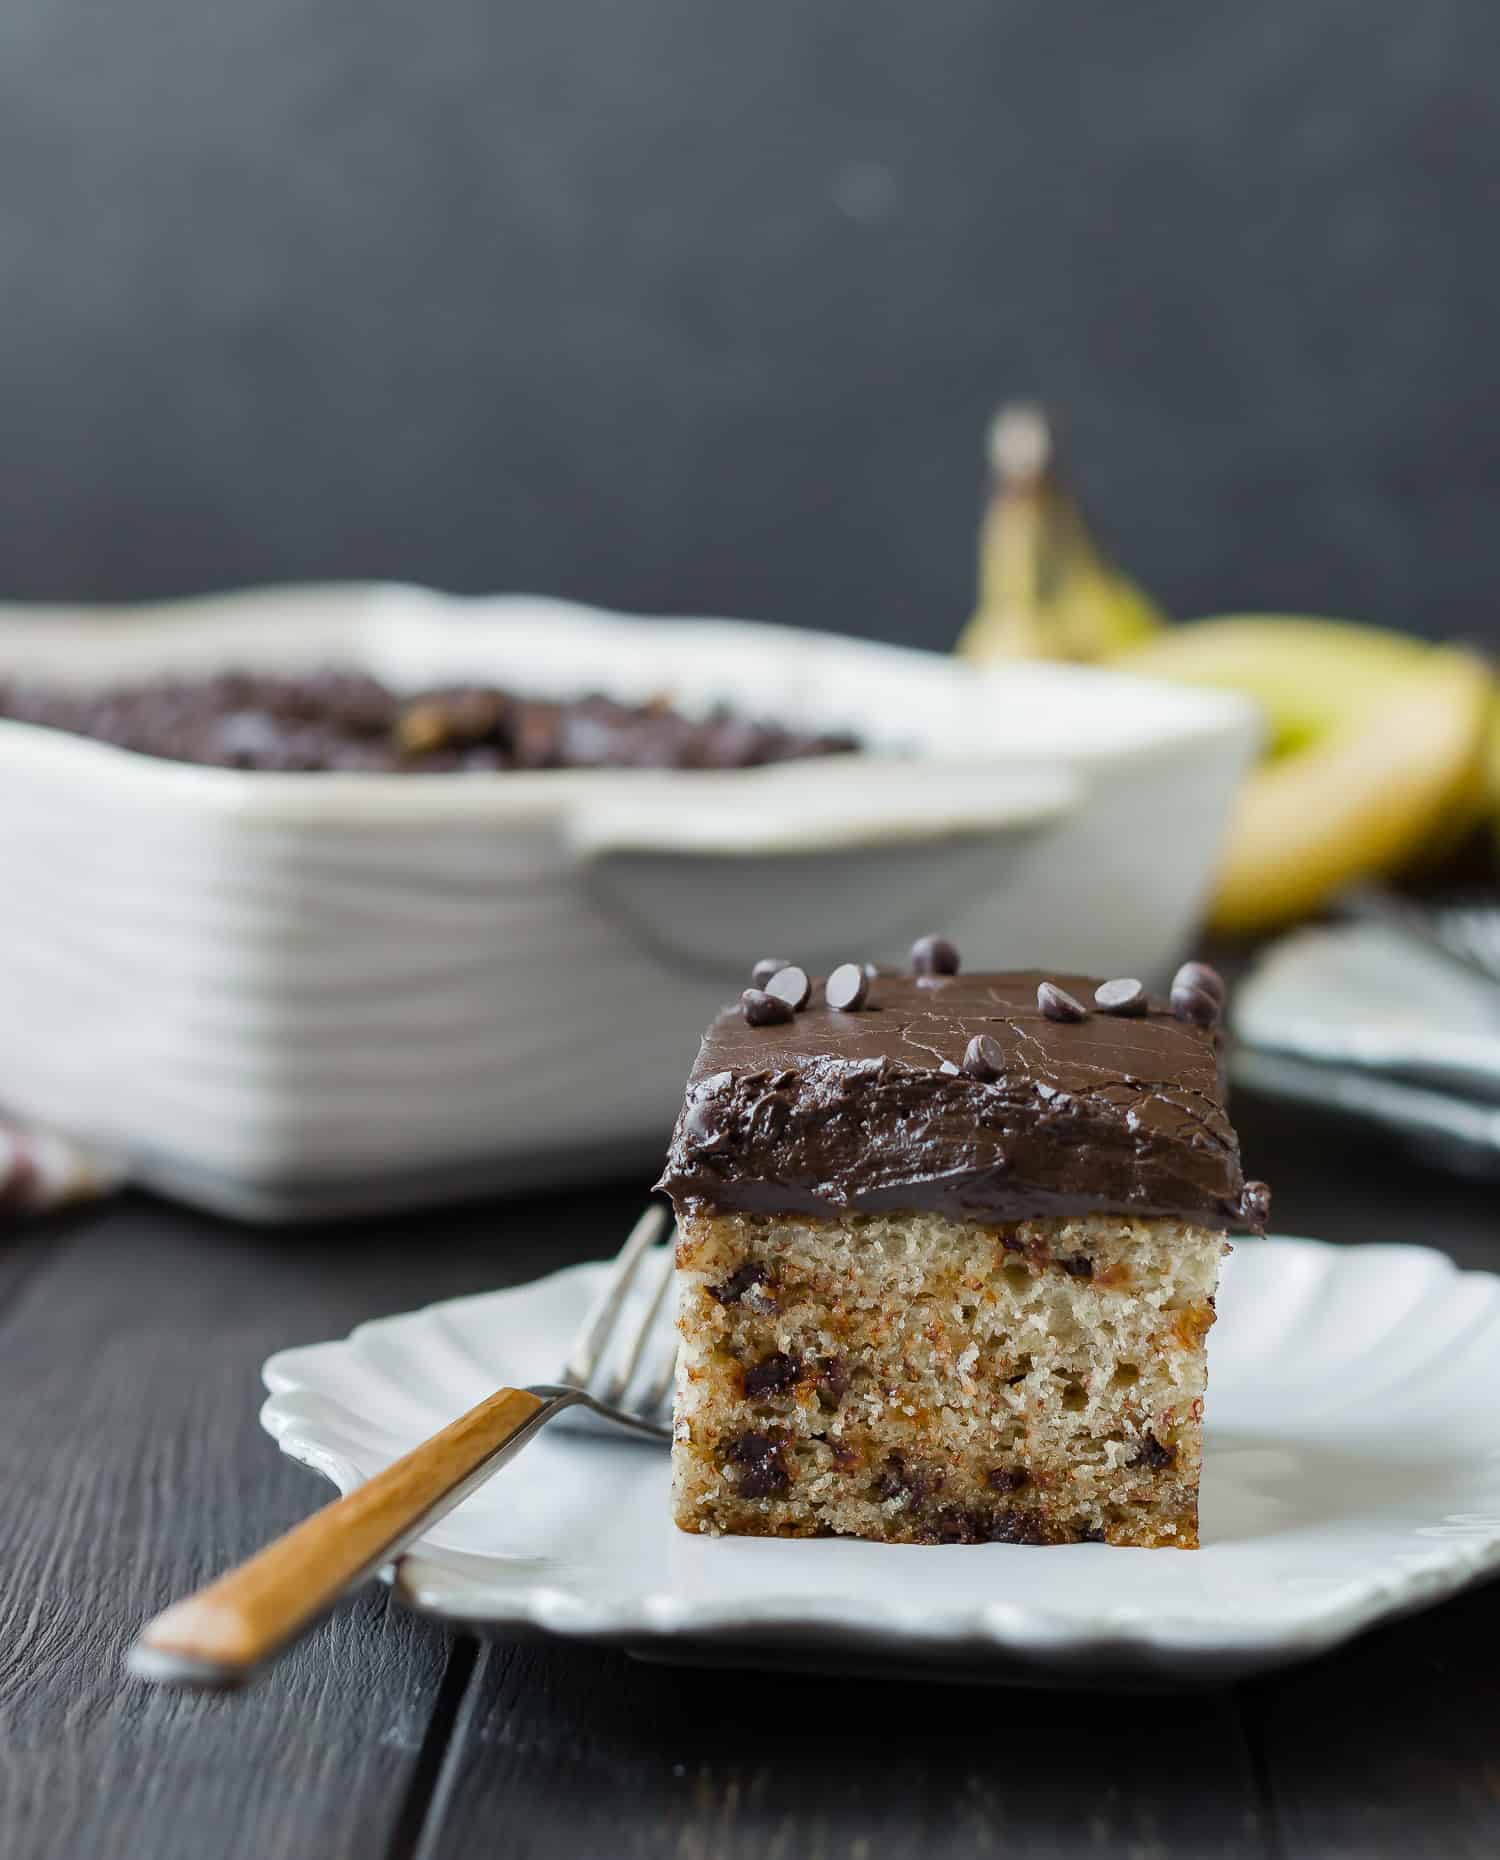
(823, 861)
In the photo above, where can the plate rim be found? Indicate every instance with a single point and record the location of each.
(1018, 1638)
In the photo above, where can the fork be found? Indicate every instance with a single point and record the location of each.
(231, 1630)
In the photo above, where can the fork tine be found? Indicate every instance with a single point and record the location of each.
(659, 1395)
(614, 1391)
(588, 1346)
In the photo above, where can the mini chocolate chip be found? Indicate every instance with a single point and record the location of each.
(731, 1290)
(984, 1057)
(1125, 996)
(915, 1484)
(763, 1010)
(1191, 1002)
(1080, 1266)
(1007, 1478)
(792, 986)
(1255, 1203)
(1015, 1527)
(766, 968)
(1091, 1534)
(832, 1382)
(1057, 1004)
(847, 987)
(762, 1471)
(1200, 975)
(772, 1375)
(933, 955)
(955, 1525)
(1153, 1455)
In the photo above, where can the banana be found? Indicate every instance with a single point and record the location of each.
(1377, 746)
(1045, 592)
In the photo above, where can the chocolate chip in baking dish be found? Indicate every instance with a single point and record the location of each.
(763, 1010)
(984, 1057)
(933, 955)
(1124, 996)
(847, 987)
(1057, 1004)
(766, 968)
(792, 986)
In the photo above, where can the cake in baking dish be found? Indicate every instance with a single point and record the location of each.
(947, 1254)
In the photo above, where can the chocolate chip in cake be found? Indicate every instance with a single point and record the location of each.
(1014, 1527)
(766, 968)
(1124, 996)
(847, 987)
(914, 1484)
(1007, 1478)
(1153, 1455)
(731, 1290)
(761, 1009)
(953, 1524)
(832, 1382)
(1057, 1004)
(1080, 1266)
(984, 1058)
(762, 1471)
(792, 986)
(1196, 998)
(772, 1375)
(933, 955)
(1091, 1534)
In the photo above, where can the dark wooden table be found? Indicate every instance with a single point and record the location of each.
(131, 1337)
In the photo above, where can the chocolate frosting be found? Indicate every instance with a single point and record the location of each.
(832, 1112)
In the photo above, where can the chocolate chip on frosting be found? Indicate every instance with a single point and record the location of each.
(1111, 1114)
(984, 1057)
(1254, 1204)
(847, 987)
(1198, 994)
(1204, 975)
(1057, 1004)
(766, 968)
(792, 986)
(933, 955)
(1123, 996)
(764, 1010)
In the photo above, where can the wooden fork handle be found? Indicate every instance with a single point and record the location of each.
(222, 1634)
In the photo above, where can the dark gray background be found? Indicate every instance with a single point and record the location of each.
(687, 305)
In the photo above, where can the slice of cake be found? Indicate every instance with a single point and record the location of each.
(948, 1252)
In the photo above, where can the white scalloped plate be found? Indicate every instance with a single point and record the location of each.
(1351, 1472)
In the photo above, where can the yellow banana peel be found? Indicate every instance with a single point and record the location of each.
(1044, 589)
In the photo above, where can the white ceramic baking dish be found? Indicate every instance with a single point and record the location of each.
(292, 995)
